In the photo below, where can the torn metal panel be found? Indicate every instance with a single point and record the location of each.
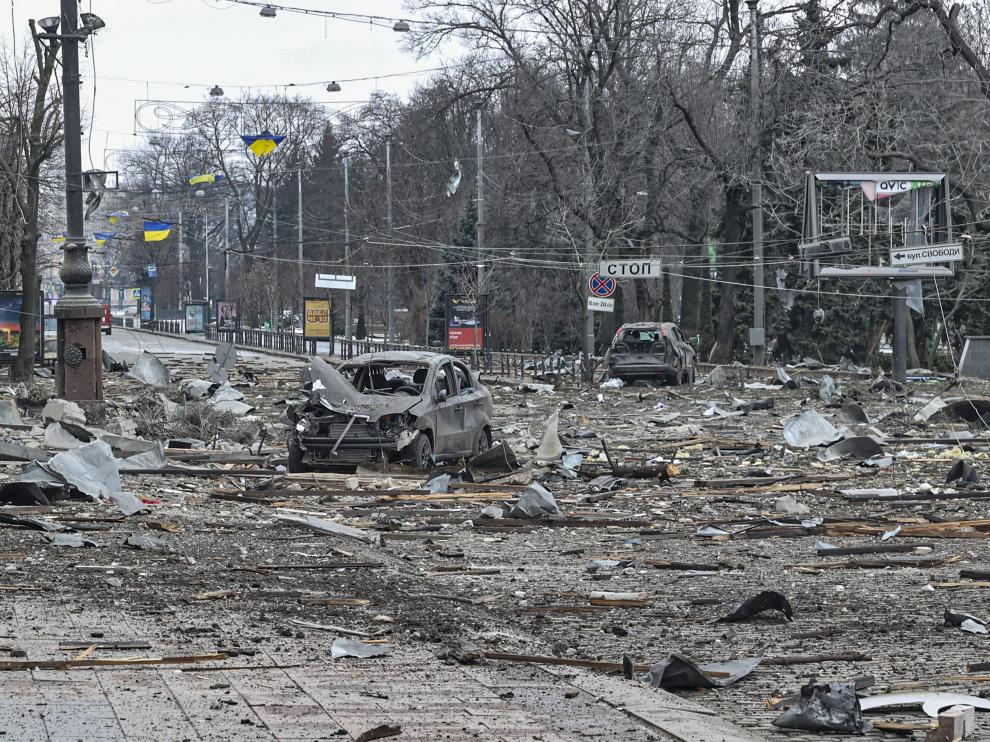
(326, 526)
(72, 540)
(677, 672)
(535, 502)
(153, 458)
(550, 449)
(809, 429)
(225, 355)
(931, 703)
(768, 600)
(150, 370)
(825, 707)
(344, 647)
(859, 447)
(18, 452)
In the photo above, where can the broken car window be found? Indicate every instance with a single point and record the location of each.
(388, 378)
(443, 382)
(463, 377)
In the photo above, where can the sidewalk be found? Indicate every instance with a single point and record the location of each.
(311, 696)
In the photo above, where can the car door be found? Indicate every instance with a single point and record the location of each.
(450, 410)
(475, 415)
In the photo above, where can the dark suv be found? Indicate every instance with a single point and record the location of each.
(651, 351)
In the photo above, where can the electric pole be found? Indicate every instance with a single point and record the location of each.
(182, 269)
(389, 270)
(758, 333)
(206, 261)
(299, 247)
(226, 249)
(480, 228)
(347, 253)
(589, 234)
(78, 314)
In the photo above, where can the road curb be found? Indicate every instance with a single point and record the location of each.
(213, 344)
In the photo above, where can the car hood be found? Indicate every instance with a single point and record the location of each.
(333, 391)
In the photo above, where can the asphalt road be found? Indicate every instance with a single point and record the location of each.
(126, 345)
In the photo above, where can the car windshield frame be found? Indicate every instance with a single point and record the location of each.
(390, 375)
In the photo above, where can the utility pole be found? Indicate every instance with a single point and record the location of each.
(78, 314)
(182, 268)
(389, 270)
(206, 260)
(589, 234)
(226, 249)
(480, 228)
(299, 246)
(758, 333)
(347, 252)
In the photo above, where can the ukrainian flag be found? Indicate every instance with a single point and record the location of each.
(115, 216)
(59, 237)
(102, 237)
(205, 178)
(156, 231)
(263, 144)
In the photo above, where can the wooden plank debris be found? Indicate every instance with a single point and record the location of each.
(122, 662)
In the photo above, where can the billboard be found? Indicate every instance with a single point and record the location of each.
(466, 322)
(227, 315)
(316, 324)
(10, 323)
(147, 297)
(196, 316)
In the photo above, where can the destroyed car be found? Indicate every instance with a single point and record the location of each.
(651, 351)
(400, 406)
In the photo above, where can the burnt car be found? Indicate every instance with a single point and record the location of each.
(411, 407)
(651, 351)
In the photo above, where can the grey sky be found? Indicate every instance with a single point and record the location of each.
(154, 48)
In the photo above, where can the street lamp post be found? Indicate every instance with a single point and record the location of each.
(78, 313)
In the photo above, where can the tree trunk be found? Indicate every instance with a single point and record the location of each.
(731, 235)
(23, 368)
(691, 288)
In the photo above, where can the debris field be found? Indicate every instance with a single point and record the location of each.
(728, 542)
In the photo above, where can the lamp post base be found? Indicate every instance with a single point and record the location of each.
(79, 371)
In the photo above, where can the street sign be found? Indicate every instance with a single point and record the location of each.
(947, 253)
(601, 286)
(335, 282)
(882, 272)
(631, 268)
(601, 305)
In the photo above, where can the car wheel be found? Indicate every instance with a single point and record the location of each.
(482, 442)
(422, 452)
(295, 458)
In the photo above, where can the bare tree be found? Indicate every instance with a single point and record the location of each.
(31, 121)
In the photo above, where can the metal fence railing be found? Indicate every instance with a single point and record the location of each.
(285, 342)
(508, 364)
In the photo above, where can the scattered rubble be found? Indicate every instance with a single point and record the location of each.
(598, 525)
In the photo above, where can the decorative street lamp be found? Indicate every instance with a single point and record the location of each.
(78, 313)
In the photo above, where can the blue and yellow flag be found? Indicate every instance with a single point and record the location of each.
(156, 231)
(205, 178)
(115, 216)
(263, 144)
(102, 237)
(59, 237)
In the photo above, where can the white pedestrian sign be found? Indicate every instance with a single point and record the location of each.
(647, 268)
(947, 253)
(335, 282)
(595, 304)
